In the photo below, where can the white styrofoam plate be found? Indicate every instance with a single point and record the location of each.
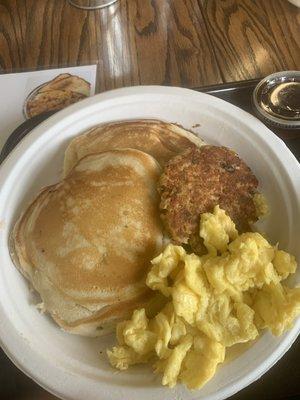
(72, 367)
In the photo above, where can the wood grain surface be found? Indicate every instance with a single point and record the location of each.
(253, 38)
(187, 43)
(155, 42)
(41, 34)
(134, 42)
(284, 23)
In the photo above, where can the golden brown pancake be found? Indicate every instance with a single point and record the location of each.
(86, 242)
(159, 139)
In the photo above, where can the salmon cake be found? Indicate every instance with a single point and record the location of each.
(197, 180)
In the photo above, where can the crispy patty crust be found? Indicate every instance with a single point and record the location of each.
(199, 179)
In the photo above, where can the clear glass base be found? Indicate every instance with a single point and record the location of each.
(91, 4)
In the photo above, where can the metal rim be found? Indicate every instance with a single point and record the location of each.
(91, 8)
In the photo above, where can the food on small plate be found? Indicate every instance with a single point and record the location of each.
(69, 83)
(225, 297)
(51, 100)
(56, 94)
(159, 139)
(195, 181)
(85, 244)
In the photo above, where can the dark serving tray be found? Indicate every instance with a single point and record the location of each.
(282, 382)
(20, 132)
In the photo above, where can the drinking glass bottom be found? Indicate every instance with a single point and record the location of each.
(91, 4)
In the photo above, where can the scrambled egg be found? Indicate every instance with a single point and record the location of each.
(215, 301)
(261, 205)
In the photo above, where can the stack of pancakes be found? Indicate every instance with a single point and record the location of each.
(85, 243)
(60, 92)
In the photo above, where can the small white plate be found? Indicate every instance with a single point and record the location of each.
(70, 366)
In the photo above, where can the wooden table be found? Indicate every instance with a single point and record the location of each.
(188, 43)
(168, 42)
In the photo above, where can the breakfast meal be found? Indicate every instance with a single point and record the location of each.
(151, 233)
(60, 92)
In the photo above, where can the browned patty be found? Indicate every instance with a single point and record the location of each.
(196, 181)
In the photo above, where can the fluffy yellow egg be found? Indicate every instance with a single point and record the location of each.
(214, 301)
